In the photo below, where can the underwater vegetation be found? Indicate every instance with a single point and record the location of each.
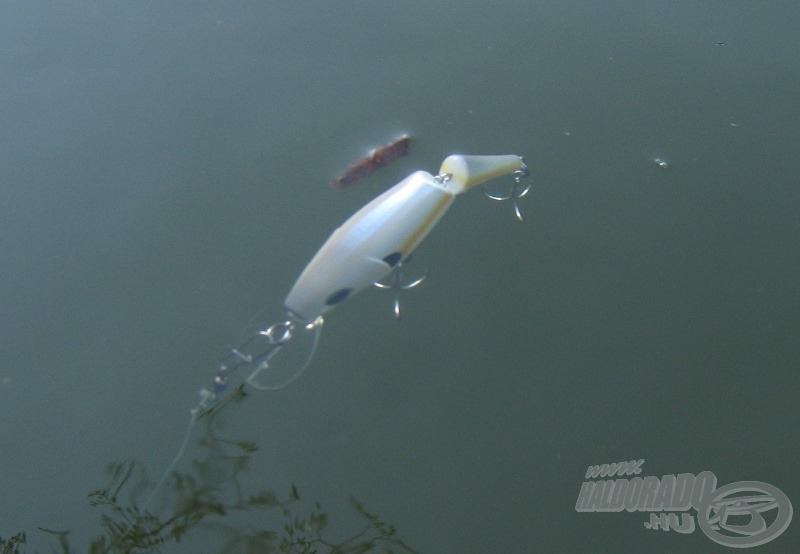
(204, 497)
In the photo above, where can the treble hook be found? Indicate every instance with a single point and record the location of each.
(517, 190)
(396, 284)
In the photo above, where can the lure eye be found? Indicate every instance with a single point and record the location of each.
(393, 258)
(337, 297)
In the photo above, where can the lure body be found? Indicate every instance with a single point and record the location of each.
(379, 236)
(369, 244)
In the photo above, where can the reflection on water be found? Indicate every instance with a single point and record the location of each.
(210, 498)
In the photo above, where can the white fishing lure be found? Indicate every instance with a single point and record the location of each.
(368, 247)
(384, 233)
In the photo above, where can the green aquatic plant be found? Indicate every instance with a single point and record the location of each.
(204, 497)
(9, 546)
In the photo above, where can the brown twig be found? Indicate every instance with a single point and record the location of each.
(372, 162)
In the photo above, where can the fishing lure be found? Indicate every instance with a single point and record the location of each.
(370, 246)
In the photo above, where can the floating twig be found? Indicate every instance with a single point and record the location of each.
(372, 162)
